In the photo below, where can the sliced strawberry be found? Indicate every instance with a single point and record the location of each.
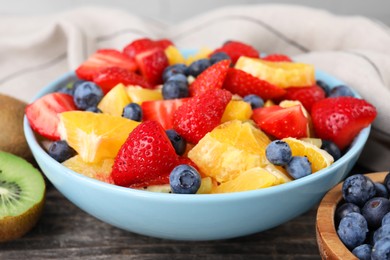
(42, 114)
(152, 64)
(341, 119)
(146, 158)
(307, 95)
(211, 78)
(201, 114)
(277, 58)
(110, 77)
(102, 59)
(282, 122)
(161, 111)
(164, 43)
(237, 49)
(138, 46)
(242, 83)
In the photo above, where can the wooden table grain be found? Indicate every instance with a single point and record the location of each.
(66, 232)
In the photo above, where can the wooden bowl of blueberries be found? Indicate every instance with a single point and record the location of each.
(353, 218)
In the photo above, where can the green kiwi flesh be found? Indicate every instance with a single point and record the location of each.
(22, 193)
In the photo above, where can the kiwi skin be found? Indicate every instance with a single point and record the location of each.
(12, 139)
(16, 227)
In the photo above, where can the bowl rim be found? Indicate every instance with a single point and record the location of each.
(356, 147)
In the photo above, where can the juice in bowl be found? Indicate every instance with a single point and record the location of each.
(223, 172)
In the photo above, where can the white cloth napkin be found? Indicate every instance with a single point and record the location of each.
(35, 50)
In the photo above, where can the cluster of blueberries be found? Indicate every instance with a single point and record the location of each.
(363, 219)
(279, 152)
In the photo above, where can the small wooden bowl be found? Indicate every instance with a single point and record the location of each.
(328, 241)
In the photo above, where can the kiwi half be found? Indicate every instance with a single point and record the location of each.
(22, 193)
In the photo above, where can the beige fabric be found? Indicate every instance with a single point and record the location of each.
(36, 50)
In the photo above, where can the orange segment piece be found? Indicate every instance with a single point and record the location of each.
(114, 101)
(319, 158)
(138, 94)
(281, 74)
(174, 55)
(94, 136)
(237, 109)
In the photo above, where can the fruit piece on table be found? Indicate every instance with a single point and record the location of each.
(281, 74)
(152, 64)
(237, 109)
(161, 111)
(146, 158)
(236, 49)
(211, 78)
(242, 83)
(95, 136)
(110, 77)
(229, 150)
(139, 95)
(42, 114)
(174, 55)
(99, 170)
(22, 196)
(341, 119)
(252, 179)
(104, 58)
(114, 101)
(201, 114)
(12, 138)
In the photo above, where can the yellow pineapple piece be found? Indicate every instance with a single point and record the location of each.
(281, 74)
(114, 101)
(237, 109)
(203, 53)
(138, 94)
(174, 55)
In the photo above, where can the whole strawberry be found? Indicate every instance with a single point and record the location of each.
(201, 114)
(341, 119)
(146, 158)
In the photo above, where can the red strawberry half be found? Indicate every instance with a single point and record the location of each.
(42, 114)
(110, 77)
(146, 158)
(201, 114)
(282, 122)
(236, 49)
(164, 43)
(138, 46)
(161, 111)
(212, 78)
(241, 83)
(104, 58)
(277, 58)
(341, 119)
(307, 95)
(152, 64)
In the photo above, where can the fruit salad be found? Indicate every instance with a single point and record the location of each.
(224, 120)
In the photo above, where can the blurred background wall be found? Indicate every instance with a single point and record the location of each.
(172, 11)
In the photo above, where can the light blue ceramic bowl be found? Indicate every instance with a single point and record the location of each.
(193, 217)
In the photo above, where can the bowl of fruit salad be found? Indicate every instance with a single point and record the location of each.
(196, 145)
(353, 219)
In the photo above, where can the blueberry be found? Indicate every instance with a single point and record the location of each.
(178, 77)
(254, 100)
(184, 179)
(278, 152)
(331, 148)
(381, 190)
(358, 189)
(173, 70)
(86, 95)
(352, 230)
(219, 56)
(132, 111)
(386, 219)
(386, 182)
(94, 109)
(374, 210)
(381, 249)
(175, 89)
(324, 86)
(298, 167)
(61, 151)
(178, 142)
(341, 91)
(198, 67)
(344, 209)
(383, 231)
(363, 252)
(70, 87)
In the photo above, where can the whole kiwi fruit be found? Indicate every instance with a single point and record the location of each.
(12, 137)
